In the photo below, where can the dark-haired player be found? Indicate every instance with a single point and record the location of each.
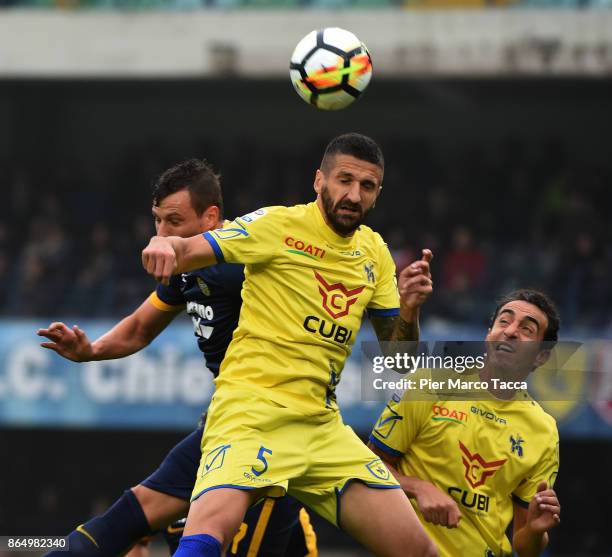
(311, 272)
(187, 200)
(472, 468)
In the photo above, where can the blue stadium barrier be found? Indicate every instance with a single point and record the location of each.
(166, 386)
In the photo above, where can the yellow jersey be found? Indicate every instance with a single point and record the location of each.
(485, 454)
(305, 292)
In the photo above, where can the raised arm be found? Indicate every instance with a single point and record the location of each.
(171, 255)
(130, 335)
(531, 524)
(414, 285)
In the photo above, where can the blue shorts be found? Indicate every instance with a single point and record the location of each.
(176, 474)
(271, 525)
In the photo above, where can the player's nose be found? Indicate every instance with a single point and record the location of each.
(354, 193)
(511, 331)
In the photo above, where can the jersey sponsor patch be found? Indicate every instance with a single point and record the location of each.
(250, 217)
(203, 286)
(445, 414)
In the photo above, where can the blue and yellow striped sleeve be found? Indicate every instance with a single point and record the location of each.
(399, 424)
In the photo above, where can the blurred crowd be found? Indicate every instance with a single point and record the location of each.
(497, 217)
(228, 4)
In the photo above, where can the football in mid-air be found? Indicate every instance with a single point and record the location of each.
(330, 68)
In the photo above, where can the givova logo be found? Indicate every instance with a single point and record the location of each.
(387, 422)
(214, 459)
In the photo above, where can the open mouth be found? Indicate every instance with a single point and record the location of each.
(505, 347)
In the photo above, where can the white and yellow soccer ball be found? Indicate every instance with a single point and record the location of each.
(330, 68)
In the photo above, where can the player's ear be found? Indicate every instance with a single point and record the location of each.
(318, 181)
(210, 217)
(542, 358)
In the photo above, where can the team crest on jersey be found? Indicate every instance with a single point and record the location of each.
(214, 459)
(378, 469)
(516, 444)
(477, 469)
(337, 299)
(369, 271)
(203, 286)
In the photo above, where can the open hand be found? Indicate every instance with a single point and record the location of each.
(72, 344)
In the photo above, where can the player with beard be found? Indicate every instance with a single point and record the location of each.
(187, 200)
(475, 467)
(311, 272)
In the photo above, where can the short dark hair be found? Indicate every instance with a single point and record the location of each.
(355, 144)
(538, 299)
(195, 175)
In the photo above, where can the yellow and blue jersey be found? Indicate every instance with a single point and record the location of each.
(211, 297)
(485, 454)
(305, 292)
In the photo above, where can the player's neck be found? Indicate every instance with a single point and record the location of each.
(488, 373)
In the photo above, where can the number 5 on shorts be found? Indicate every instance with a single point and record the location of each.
(261, 456)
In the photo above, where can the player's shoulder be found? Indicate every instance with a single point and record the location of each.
(371, 239)
(267, 212)
(274, 215)
(221, 273)
(546, 423)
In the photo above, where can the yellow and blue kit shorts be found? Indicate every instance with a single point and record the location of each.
(250, 442)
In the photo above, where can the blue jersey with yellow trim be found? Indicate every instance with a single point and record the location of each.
(211, 297)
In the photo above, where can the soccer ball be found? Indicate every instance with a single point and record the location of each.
(330, 68)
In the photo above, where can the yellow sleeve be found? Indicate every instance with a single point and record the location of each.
(385, 300)
(399, 424)
(546, 470)
(249, 239)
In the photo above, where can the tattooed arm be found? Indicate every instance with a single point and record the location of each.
(394, 328)
(399, 334)
(414, 285)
